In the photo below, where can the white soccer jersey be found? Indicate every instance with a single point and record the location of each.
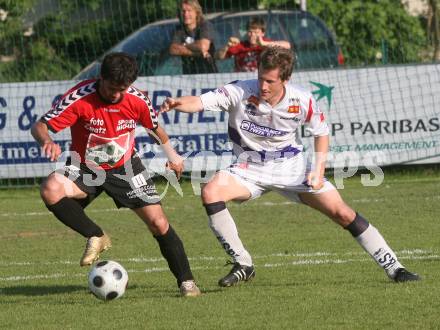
(255, 125)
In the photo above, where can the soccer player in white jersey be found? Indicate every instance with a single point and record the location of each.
(265, 117)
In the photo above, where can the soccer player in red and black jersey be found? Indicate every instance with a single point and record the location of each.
(102, 115)
(246, 53)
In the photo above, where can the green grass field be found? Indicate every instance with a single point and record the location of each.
(309, 272)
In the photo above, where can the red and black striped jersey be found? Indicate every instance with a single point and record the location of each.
(102, 133)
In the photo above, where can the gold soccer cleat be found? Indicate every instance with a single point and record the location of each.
(95, 245)
(189, 289)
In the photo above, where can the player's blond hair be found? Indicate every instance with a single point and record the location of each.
(196, 6)
(276, 57)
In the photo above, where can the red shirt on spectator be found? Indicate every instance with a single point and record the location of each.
(246, 56)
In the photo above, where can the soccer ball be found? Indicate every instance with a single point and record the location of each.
(108, 280)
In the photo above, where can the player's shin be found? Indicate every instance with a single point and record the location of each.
(223, 226)
(173, 251)
(72, 214)
(374, 244)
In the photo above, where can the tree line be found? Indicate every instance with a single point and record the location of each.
(53, 40)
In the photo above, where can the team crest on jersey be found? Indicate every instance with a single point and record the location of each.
(295, 107)
(252, 104)
(253, 100)
(108, 151)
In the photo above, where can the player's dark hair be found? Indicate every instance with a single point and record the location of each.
(278, 58)
(256, 23)
(119, 68)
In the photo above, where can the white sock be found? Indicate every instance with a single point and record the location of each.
(226, 232)
(374, 244)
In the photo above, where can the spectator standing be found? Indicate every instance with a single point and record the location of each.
(194, 40)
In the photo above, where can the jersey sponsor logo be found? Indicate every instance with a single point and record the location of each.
(146, 191)
(260, 130)
(295, 107)
(111, 110)
(95, 125)
(108, 151)
(125, 123)
(297, 119)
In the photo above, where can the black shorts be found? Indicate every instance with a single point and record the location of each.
(129, 185)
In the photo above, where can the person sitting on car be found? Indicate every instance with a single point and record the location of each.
(246, 53)
(194, 40)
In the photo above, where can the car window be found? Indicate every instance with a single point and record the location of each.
(151, 50)
(312, 41)
(150, 39)
(305, 31)
(168, 66)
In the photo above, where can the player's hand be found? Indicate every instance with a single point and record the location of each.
(233, 41)
(315, 180)
(169, 104)
(261, 42)
(51, 150)
(206, 55)
(176, 166)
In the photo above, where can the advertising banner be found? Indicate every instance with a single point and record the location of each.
(377, 116)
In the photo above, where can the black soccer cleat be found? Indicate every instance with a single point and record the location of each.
(402, 275)
(237, 274)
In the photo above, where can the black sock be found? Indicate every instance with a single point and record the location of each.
(172, 250)
(213, 208)
(358, 226)
(70, 212)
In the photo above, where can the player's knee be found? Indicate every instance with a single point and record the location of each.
(158, 225)
(51, 191)
(210, 194)
(343, 215)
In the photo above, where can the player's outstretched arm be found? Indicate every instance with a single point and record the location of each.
(187, 104)
(279, 43)
(40, 132)
(175, 161)
(221, 53)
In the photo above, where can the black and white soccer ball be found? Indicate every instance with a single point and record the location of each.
(108, 280)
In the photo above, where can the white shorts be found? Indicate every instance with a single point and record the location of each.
(286, 176)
